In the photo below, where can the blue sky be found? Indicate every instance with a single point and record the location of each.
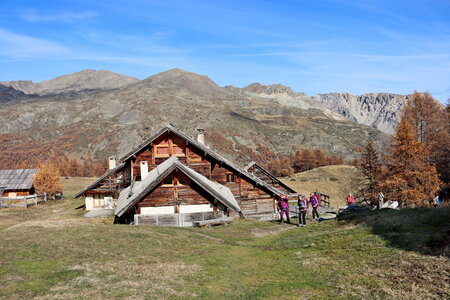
(312, 46)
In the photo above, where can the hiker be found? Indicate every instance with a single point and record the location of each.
(436, 201)
(302, 210)
(314, 203)
(283, 208)
(350, 199)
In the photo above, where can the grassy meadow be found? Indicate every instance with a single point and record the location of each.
(52, 252)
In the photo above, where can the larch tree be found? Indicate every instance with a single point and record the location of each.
(370, 167)
(411, 178)
(47, 179)
(430, 120)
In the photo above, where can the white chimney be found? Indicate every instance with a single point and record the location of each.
(112, 162)
(144, 169)
(201, 135)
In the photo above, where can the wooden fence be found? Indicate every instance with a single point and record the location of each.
(24, 201)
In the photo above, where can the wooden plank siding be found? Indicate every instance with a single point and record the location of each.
(175, 195)
(252, 199)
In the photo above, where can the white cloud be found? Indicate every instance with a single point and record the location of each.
(61, 17)
(18, 46)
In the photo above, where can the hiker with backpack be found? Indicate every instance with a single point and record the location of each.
(283, 209)
(302, 210)
(314, 201)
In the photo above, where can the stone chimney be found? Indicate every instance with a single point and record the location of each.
(200, 135)
(112, 162)
(144, 169)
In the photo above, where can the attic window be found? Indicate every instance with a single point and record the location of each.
(168, 181)
(182, 179)
(176, 180)
(162, 150)
(230, 178)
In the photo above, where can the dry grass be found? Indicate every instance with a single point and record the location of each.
(337, 181)
(73, 185)
(52, 252)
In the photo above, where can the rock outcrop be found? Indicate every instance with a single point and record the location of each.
(378, 110)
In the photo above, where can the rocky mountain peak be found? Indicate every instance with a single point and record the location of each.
(379, 110)
(272, 89)
(178, 80)
(74, 82)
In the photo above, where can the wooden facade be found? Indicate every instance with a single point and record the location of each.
(253, 195)
(251, 198)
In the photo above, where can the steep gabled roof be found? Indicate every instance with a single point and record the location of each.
(100, 179)
(17, 179)
(139, 189)
(268, 174)
(222, 160)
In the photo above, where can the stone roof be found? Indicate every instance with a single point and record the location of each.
(139, 189)
(268, 174)
(17, 179)
(100, 179)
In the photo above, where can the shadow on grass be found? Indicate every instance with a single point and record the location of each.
(425, 230)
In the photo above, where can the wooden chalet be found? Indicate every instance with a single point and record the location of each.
(17, 183)
(258, 171)
(173, 179)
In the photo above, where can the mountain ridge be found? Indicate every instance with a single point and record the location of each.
(74, 82)
(242, 125)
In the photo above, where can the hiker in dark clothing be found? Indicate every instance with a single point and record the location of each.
(302, 210)
(314, 203)
(283, 208)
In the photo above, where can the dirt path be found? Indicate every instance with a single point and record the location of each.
(266, 231)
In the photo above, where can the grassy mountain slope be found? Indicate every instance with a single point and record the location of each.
(337, 181)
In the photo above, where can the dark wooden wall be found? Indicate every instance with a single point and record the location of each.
(252, 199)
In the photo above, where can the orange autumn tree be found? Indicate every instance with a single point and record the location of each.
(47, 179)
(430, 121)
(411, 178)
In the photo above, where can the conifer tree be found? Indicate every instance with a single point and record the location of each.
(371, 170)
(430, 122)
(411, 178)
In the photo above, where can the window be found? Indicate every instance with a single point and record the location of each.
(161, 150)
(170, 147)
(168, 181)
(177, 180)
(230, 178)
(98, 200)
(182, 179)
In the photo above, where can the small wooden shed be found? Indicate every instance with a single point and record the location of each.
(17, 182)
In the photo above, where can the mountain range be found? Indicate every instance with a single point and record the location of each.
(98, 113)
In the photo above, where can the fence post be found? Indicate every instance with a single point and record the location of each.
(25, 202)
(35, 199)
(45, 197)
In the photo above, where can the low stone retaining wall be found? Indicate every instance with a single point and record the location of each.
(176, 220)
